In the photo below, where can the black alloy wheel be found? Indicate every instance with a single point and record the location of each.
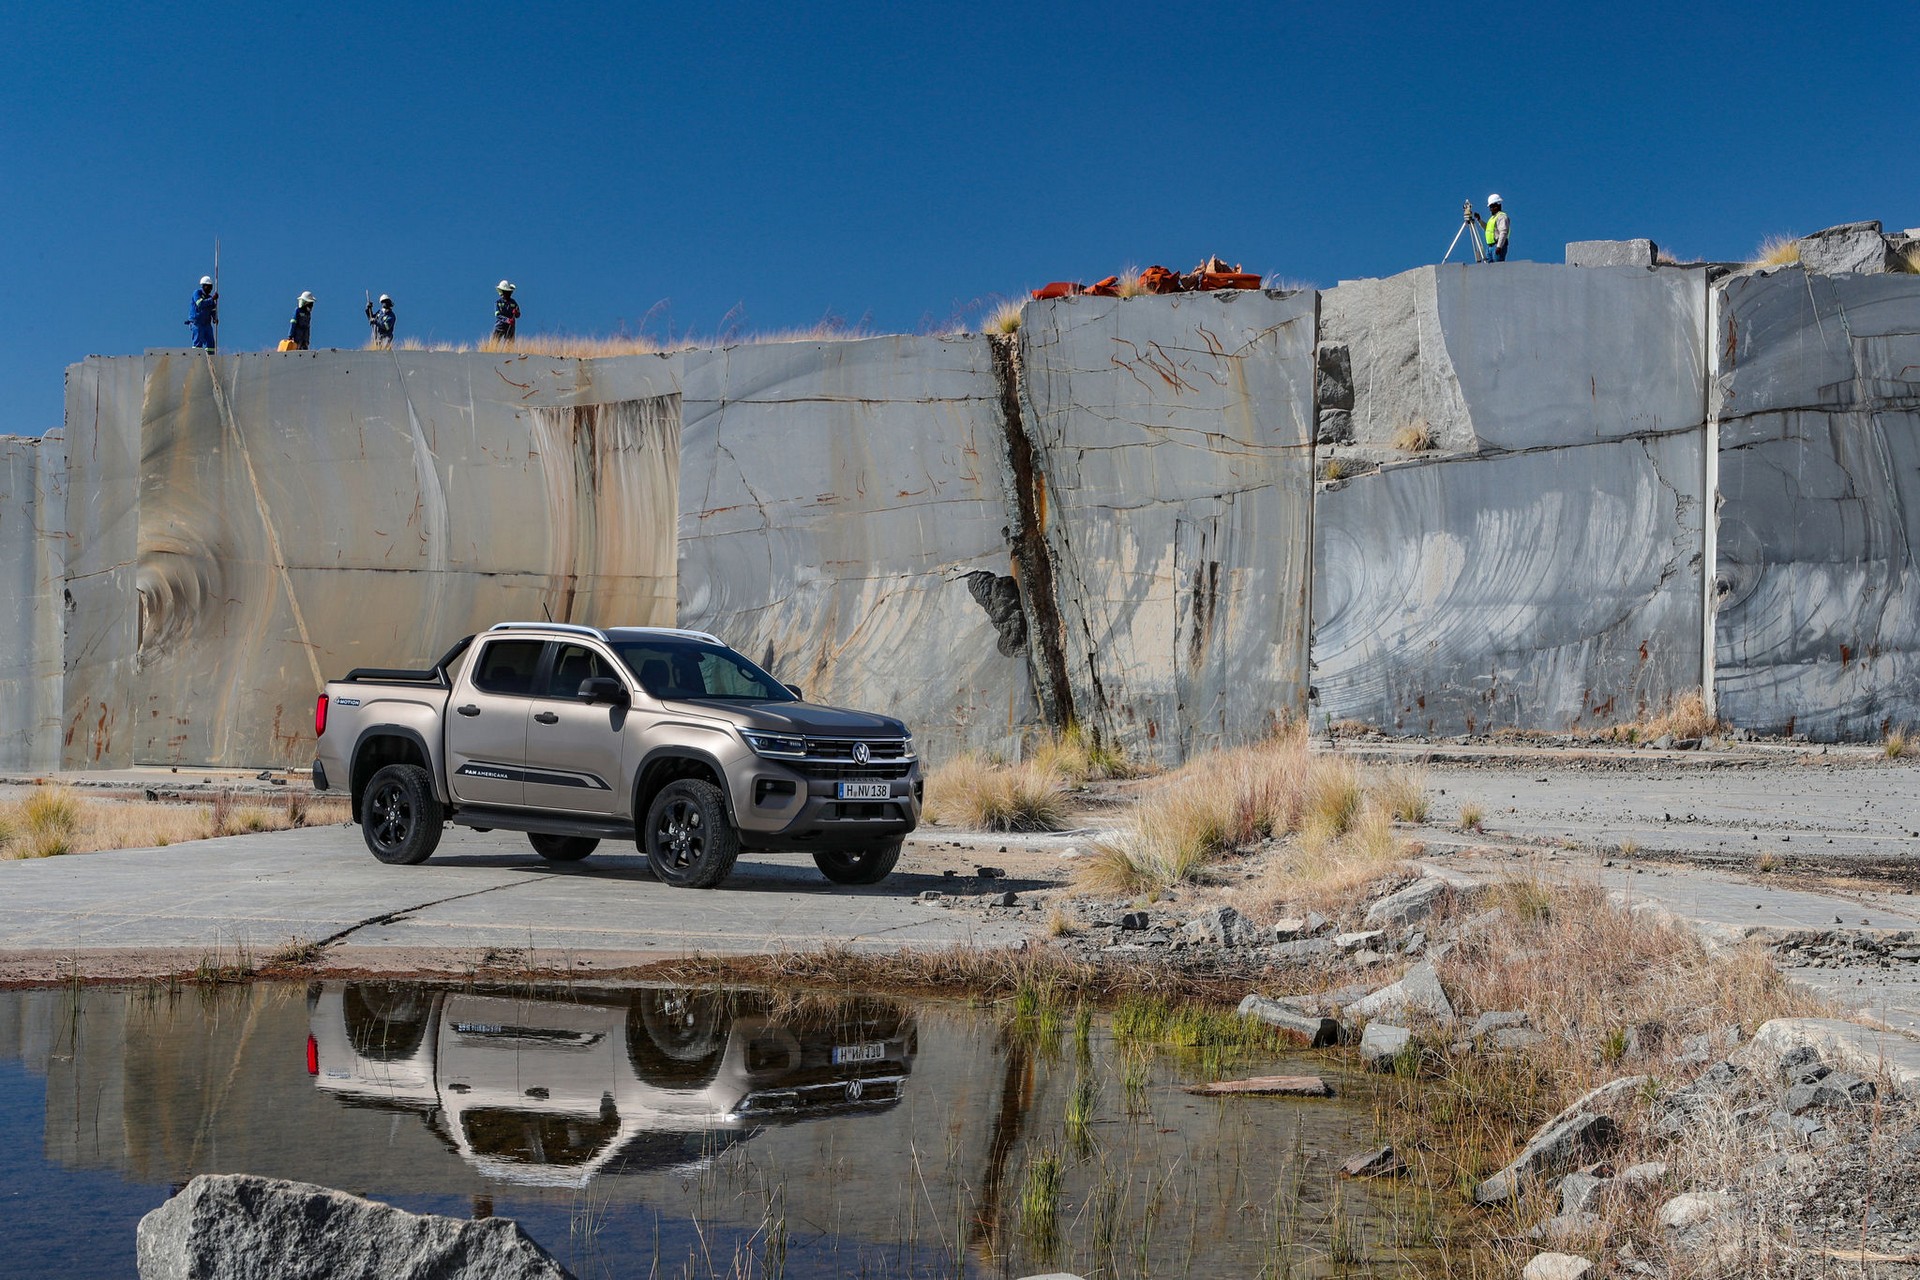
(689, 842)
(400, 816)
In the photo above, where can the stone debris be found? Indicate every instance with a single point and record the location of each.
(1318, 1032)
(1557, 1147)
(1382, 1162)
(1134, 921)
(1351, 942)
(1381, 1045)
(1850, 247)
(1567, 1228)
(1556, 1266)
(1401, 908)
(1488, 1023)
(1580, 1192)
(1264, 1087)
(1694, 1209)
(242, 1227)
(1419, 992)
(1221, 926)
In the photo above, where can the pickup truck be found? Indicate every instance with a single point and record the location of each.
(578, 734)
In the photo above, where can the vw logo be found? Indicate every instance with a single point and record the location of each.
(862, 753)
(854, 1087)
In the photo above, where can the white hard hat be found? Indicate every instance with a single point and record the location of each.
(306, 299)
(385, 298)
(505, 286)
(1494, 198)
(206, 279)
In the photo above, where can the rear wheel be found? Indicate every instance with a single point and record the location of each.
(561, 848)
(400, 816)
(689, 842)
(858, 866)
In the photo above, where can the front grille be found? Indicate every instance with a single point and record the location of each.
(832, 758)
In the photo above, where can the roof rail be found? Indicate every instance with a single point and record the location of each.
(674, 631)
(571, 628)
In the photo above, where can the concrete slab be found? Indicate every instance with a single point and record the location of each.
(1550, 590)
(1172, 441)
(479, 892)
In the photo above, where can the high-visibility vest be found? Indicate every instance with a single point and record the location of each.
(1495, 225)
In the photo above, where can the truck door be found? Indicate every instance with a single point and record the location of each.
(487, 723)
(574, 747)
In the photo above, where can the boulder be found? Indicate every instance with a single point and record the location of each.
(241, 1227)
(1853, 246)
(1222, 926)
(1612, 253)
(1402, 907)
(1317, 1032)
(1567, 1228)
(1604, 1097)
(1581, 1192)
(1379, 1163)
(1381, 1044)
(1355, 941)
(1556, 1266)
(1418, 991)
(1556, 1148)
(1695, 1209)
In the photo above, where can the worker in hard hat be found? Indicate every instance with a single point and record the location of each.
(506, 314)
(300, 332)
(381, 322)
(203, 313)
(1498, 225)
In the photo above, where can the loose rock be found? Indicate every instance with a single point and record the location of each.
(1419, 991)
(1380, 1163)
(1317, 1032)
(1404, 906)
(1556, 1266)
(242, 1227)
(1556, 1148)
(1382, 1043)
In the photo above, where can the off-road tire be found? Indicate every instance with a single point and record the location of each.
(400, 816)
(858, 866)
(675, 1038)
(561, 848)
(689, 842)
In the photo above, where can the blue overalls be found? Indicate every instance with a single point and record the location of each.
(201, 314)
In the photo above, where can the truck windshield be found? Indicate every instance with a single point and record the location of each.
(669, 667)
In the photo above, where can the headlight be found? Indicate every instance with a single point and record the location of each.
(775, 744)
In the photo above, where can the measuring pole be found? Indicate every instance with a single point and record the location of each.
(216, 293)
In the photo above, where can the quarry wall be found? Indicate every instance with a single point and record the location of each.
(1456, 500)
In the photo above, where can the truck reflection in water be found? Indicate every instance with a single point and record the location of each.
(555, 1090)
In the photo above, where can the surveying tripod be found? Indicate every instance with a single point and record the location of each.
(1468, 218)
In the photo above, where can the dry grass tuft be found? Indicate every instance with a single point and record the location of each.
(1402, 792)
(1336, 469)
(1079, 759)
(1130, 286)
(1776, 251)
(1004, 319)
(1415, 437)
(1683, 717)
(1224, 803)
(1472, 817)
(978, 794)
(1896, 744)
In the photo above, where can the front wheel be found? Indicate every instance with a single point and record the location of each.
(400, 816)
(561, 848)
(689, 842)
(858, 866)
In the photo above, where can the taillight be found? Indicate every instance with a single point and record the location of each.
(313, 1053)
(320, 716)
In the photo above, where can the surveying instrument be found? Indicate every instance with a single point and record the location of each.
(1468, 218)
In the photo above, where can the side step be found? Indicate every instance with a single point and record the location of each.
(550, 824)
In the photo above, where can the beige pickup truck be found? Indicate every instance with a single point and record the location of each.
(576, 735)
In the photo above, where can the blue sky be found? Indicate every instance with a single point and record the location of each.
(695, 168)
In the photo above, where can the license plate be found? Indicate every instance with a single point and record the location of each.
(858, 1053)
(864, 790)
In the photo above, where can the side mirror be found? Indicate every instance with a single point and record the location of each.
(604, 689)
(794, 689)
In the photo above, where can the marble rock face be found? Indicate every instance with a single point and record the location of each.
(1817, 621)
(1172, 454)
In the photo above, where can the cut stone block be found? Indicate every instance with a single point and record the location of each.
(1612, 253)
(1317, 1032)
(1851, 247)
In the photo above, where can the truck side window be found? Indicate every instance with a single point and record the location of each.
(574, 663)
(507, 667)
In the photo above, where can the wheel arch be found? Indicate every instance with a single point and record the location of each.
(669, 764)
(380, 745)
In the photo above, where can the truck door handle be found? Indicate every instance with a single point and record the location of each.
(468, 710)
(547, 717)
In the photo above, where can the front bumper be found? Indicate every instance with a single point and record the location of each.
(784, 808)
